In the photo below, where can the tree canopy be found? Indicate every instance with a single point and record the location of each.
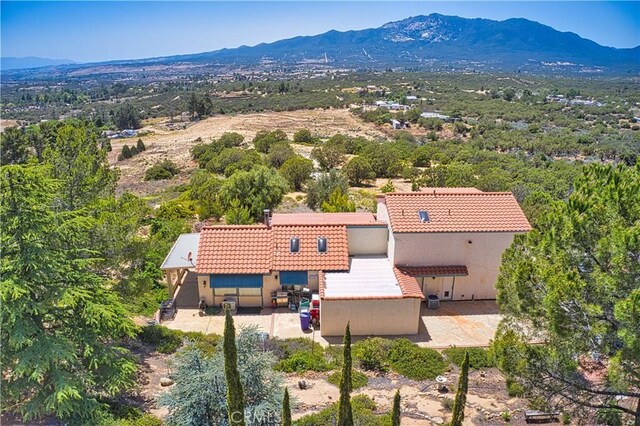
(61, 326)
(572, 284)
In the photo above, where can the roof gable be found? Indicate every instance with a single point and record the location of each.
(234, 250)
(308, 258)
(459, 211)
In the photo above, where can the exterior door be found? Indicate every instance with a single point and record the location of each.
(446, 288)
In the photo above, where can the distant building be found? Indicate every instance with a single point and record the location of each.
(436, 115)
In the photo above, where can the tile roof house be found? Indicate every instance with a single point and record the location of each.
(371, 270)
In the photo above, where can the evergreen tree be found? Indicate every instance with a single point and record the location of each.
(338, 202)
(286, 409)
(134, 151)
(140, 145)
(126, 151)
(461, 394)
(345, 414)
(235, 395)
(61, 324)
(395, 414)
(199, 395)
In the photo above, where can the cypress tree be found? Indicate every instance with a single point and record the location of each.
(286, 409)
(235, 396)
(126, 152)
(345, 414)
(461, 394)
(134, 151)
(395, 414)
(140, 146)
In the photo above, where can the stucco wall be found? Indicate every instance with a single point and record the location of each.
(312, 280)
(269, 284)
(367, 240)
(370, 317)
(482, 258)
(205, 292)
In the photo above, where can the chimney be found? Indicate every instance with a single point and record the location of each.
(267, 221)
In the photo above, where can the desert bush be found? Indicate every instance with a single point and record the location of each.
(298, 355)
(363, 414)
(514, 388)
(300, 362)
(165, 169)
(372, 353)
(415, 362)
(358, 379)
(478, 357)
(161, 338)
(447, 404)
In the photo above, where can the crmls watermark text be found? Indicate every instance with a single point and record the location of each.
(268, 418)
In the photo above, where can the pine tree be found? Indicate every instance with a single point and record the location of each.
(461, 394)
(286, 409)
(140, 146)
(345, 414)
(62, 326)
(235, 395)
(395, 414)
(126, 151)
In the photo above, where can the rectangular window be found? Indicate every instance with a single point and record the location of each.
(250, 292)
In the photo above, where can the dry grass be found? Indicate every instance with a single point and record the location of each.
(175, 144)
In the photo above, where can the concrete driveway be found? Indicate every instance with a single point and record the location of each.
(465, 324)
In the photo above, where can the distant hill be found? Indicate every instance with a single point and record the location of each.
(13, 63)
(433, 42)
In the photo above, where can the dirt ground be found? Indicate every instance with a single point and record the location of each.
(163, 143)
(422, 403)
(4, 123)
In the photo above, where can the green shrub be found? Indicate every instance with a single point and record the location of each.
(206, 343)
(372, 353)
(334, 355)
(358, 379)
(163, 339)
(284, 348)
(303, 361)
(506, 416)
(363, 414)
(119, 414)
(144, 420)
(514, 388)
(165, 169)
(447, 404)
(415, 362)
(478, 357)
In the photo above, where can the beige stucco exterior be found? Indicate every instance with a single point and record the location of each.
(481, 253)
(370, 316)
(367, 240)
(270, 283)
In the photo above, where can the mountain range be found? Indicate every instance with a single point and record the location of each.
(422, 42)
(12, 62)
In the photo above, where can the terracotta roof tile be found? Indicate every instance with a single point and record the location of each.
(408, 285)
(356, 218)
(462, 211)
(434, 271)
(335, 259)
(234, 250)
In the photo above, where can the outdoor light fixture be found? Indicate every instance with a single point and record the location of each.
(204, 284)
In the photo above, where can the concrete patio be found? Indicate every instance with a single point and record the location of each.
(466, 324)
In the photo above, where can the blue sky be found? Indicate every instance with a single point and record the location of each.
(96, 31)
